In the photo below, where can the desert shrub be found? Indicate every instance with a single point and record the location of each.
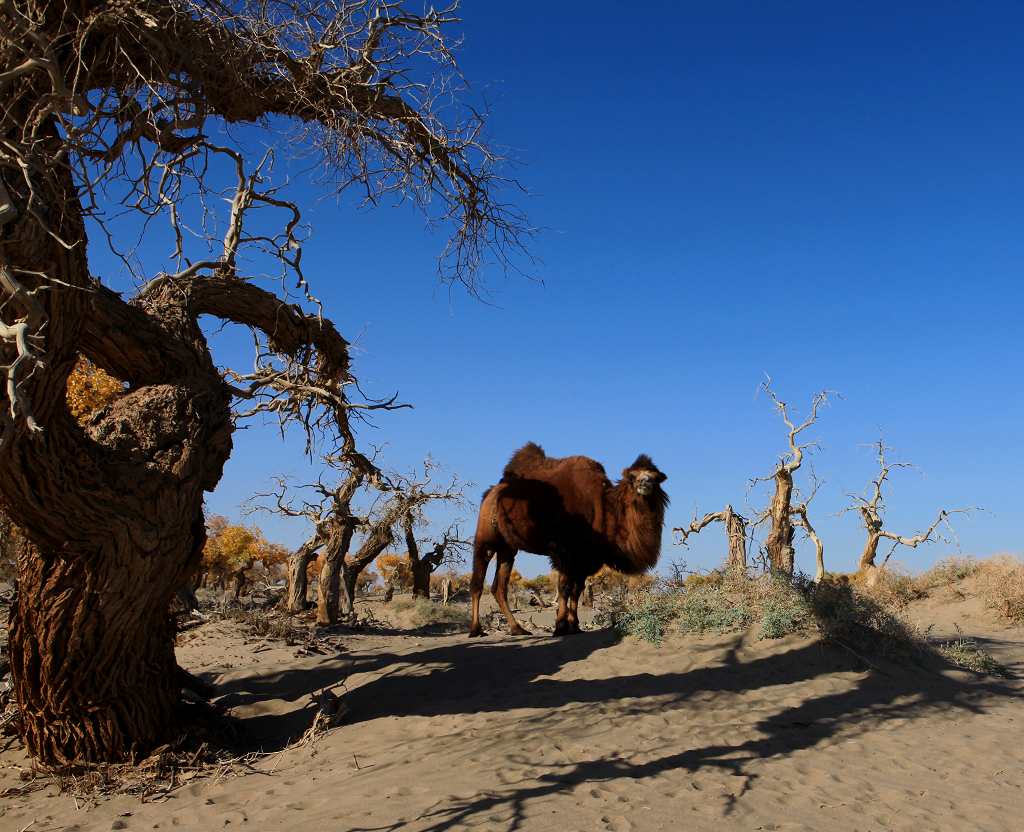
(264, 623)
(610, 582)
(646, 615)
(780, 602)
(710, 608)
(948, 571)
(1001, 584)
(845, 613)
(541, 584)
(777, 604)
(423, 612)
(708, 580)
(892, 588)
(967, 654)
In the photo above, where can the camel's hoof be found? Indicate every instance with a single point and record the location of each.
(477, 632)
(562, 629)
(518, 631)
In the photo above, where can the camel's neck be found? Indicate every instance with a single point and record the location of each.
(635, 530)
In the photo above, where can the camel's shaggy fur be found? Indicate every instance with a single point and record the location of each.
(568, 510)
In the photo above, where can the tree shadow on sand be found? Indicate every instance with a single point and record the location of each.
(496, 676)
(884, 692)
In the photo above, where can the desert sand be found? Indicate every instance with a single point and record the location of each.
(591, 733)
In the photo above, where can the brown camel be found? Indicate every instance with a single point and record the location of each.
(567, 510)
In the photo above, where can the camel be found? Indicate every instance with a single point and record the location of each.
(567, 510)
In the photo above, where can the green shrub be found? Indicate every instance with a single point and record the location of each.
(710, 608)
(423, 612)
(646, 615)
(785, 613)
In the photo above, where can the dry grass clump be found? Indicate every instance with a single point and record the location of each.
(1001, 584)
(948, 571)
(422, 612)
(269, 624)
(966, 653)
(891, 588)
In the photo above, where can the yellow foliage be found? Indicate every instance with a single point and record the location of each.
(230, 548)
(395, 570)
(367, 580)
(89, 388)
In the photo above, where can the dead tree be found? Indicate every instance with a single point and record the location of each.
(735, 530)
(872, 511)
(448, 551)
(334, 525)
(779, 542)
(113, 109)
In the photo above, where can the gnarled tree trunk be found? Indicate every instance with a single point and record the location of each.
(867, 558)
(113, 511)
(331, 572)
(779, 543)
(298, 577)
(736, 532)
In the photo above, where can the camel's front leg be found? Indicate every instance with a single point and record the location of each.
(481, 558)
(500, 590)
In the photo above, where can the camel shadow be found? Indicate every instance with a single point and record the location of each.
(460, 666)
(886, 691)
(496, 676)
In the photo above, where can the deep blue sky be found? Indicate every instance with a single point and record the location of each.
(832, 197)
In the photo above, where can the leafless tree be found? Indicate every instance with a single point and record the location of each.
(110, 109)
(780, 513)
(333, 522)
(735, 530)
(872, 511)
(447, 551)
(396, 500)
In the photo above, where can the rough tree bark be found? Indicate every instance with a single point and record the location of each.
(332, 570)
(98, 93)
(779, 542)
(297, 599)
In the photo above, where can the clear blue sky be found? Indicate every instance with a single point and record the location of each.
(832, 197)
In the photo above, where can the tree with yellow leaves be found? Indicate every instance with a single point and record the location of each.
(231, 550)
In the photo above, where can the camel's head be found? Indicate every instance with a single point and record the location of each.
(644, 476)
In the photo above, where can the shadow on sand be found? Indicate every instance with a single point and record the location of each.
(471, 677)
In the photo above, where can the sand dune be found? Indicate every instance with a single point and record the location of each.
(586, 733)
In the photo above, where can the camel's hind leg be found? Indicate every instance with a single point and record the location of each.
(574, 604)
(562, 626)
(481, 558)
(506, 557)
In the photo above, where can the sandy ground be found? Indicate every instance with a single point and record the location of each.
(583, 733)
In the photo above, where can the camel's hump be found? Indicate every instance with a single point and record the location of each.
(530, 460)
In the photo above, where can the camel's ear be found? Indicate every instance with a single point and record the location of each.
(661, 477)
